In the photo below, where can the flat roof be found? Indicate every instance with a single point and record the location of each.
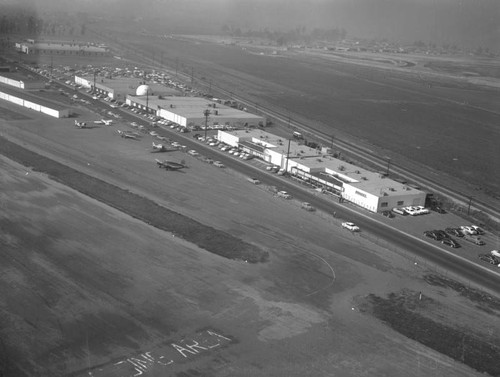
(193, 107)
(21, 76)
(280, 144)
(64, 46)
(129, 85)
(32, 98)
(341, 171)
(366, 180)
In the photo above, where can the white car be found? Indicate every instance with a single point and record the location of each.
(468, 230)
(219, 164)
(350, 226)
(284, 195)
(192, 152)
(478, 229)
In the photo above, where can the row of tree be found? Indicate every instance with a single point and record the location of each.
(23, 23)
(299, 35)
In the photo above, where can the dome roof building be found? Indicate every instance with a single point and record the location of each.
(142, 90)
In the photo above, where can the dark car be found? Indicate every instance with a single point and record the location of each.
(454, 232)
(388, 214)
(441, 234)
(438, 209)
(489, 259)
(431, 234)
(450, 242)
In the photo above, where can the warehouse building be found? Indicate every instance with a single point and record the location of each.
(195, 111)
(120, 88)
(370, 190)
(21, 81)
(32, 47)
(33, 102)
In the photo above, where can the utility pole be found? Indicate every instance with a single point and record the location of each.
(95, 74)
(210, 87)
(192, 74)
(388, 165)
(468, 208)
(147, 100)
(287, 156)
(206, 113)
(176, 66)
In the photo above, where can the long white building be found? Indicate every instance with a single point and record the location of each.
(370, 190)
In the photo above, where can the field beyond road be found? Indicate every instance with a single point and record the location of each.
(90, 290)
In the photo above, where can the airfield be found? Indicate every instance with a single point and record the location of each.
(91, 291)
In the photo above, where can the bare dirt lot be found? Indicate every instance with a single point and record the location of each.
(90, 290)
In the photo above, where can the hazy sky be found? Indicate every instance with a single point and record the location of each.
(441, 21)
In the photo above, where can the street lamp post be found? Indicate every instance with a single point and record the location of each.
(206, 113)
(388, 165)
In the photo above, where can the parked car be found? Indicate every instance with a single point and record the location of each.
(479, 230)
(495, 253)
(284, 195)
(350, 226)
(441, 233)
(490, 259)
(399, 211)
(438, 209)
(307, 206)
(388, 214)
(475, 240)
(431, 234)
(192, 152)
(255, 181)
(454, 232)
(468, 230)
(219, 164)
(450, 242)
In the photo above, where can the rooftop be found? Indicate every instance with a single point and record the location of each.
(130, 84)
(34, 98)
(193, 107)
(21, 76)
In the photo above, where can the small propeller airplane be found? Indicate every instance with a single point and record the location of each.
(127, 135)
(106, 122)
(169, 165)
(81, 124)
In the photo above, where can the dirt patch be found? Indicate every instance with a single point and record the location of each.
(208, 238)
(408, 312)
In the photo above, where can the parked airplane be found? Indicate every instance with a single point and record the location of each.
(126, 135)
(169, 165)
(81, 124)
(106, 122)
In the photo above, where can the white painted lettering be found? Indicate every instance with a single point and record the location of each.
(196, 345)
(217, 335)
(181, 350)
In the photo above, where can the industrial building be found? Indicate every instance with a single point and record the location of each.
(31, 47)
(370, 190)
(21, 81)
(191, 111)
(33, 102)
(120, 88)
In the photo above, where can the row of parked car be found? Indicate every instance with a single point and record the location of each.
(411, 210)
(467, 232)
